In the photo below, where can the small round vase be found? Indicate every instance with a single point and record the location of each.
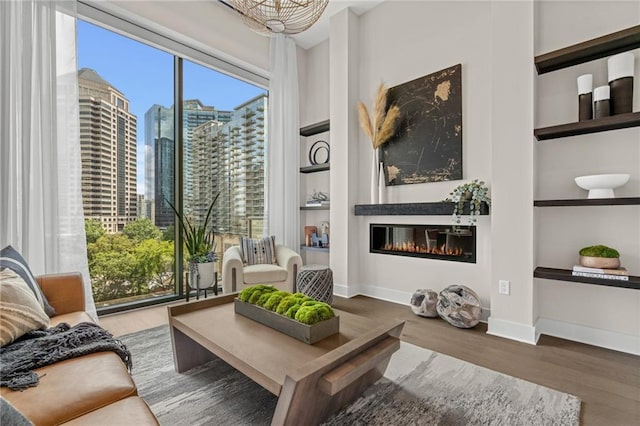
(600, 262)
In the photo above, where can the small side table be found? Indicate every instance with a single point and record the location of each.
(316, 281)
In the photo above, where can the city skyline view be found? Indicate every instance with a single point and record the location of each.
(144, 75)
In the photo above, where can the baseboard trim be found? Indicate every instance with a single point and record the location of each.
(347, 291)
(512, 330)
(589, 335)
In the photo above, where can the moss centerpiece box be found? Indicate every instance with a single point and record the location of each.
(296, 315)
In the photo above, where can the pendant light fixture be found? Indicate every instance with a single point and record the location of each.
(271, 17)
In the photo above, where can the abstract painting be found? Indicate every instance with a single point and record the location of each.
(427, 145)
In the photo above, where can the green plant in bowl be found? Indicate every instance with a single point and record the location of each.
(599, 256)
(599, 251)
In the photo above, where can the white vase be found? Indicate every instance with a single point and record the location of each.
(382, 185)
(374, 177)
(207, 273)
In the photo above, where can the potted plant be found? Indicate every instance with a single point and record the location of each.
(600, 257)
(199, 240)
(474, 192)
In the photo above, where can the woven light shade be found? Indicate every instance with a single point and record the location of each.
(279, 16)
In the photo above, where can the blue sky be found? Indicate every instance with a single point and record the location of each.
(145, 76)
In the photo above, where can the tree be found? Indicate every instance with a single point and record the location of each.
(154, 264)
(142, 229)
(169, 233)
(111, 265)
(93, 229)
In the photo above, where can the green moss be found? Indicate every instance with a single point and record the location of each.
(285, 304)
(311, 313)
(324, 311)
(292, 311)
(275, 299)
(255, 296)
(599, 251)
(297, 306)
(246, 294)
(307, 315)
(263, 298)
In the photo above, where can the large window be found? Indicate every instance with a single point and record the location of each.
(130, 139)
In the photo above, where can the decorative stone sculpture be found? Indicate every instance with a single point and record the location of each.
(423, 303)
(459, 306)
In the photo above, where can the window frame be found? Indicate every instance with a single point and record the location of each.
(155, 36)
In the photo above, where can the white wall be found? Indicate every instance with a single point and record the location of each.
(512, 170)
(395, 47)
(595, 314)
(503, 100)
(207, 24)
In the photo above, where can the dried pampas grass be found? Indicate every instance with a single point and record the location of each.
(383, 125)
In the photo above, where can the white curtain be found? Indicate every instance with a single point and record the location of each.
(282, 194)
(40, 175)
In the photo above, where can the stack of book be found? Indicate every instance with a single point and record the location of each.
(608, 274)
(317, 203)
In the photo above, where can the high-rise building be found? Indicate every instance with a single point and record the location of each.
(159, 155)
(108, 150)
(159, 164)
(229, 158)
(194, 114)
(207, 154)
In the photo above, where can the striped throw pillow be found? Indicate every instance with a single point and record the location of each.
(20, 311)
(258, 251)
(10, 258)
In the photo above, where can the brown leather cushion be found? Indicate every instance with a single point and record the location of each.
(128, 411)
(71, 318)
(71, 388)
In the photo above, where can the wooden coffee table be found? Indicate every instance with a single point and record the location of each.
(311, 381)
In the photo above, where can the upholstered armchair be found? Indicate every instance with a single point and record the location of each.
(236, 276)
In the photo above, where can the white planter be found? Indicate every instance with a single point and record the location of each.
(206, 273)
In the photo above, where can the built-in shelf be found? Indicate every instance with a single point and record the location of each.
(441, 208)
(589, 50)
(314, 129)
(311, 248)
(623, 201)
(314, 208)
(565, 275)
(620, 121)
(315, 168)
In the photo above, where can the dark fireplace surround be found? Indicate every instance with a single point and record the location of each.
(442, 242)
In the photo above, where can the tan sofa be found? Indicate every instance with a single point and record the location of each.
(93, 389)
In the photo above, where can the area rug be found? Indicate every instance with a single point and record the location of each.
(420, 387)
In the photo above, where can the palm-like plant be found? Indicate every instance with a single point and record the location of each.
(199, 241)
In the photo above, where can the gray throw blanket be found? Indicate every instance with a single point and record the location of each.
(44, 347)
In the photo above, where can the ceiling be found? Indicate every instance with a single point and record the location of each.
(320, 30)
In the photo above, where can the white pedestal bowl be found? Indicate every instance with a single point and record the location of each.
(602, 186)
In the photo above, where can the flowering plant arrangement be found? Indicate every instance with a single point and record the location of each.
(475, 192)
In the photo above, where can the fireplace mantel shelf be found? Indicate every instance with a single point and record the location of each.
(440, 208)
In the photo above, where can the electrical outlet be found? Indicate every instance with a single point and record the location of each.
(503, 287)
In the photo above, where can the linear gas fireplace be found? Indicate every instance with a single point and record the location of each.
(442, 242)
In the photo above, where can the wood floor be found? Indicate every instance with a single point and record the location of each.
(607, 382)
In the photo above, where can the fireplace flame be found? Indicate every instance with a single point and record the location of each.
(411, 247)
